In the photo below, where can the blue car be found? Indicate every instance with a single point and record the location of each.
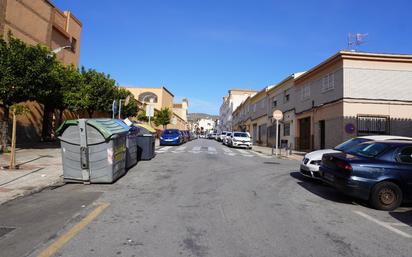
(171, 137)
(377, 171)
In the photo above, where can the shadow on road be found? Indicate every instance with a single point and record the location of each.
(404, 217)
(320, 189)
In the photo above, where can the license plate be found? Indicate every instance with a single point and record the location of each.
(169, 140)
(329, 177)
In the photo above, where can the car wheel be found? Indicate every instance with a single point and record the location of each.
(386, 196)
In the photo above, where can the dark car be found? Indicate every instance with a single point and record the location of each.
(378, 171)
(171, 137)
(186, 136)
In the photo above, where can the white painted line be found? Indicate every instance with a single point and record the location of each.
(196, 148)
(211, 149)
(230, 154)
(226, 150)
(383, 224)
(262, 155)
(164, 149)
(181, 148)
(244, 153)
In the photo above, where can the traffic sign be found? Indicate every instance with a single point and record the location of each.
(278, 115)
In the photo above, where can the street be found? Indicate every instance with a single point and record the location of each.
(203, 199)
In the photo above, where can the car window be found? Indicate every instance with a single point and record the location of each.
(369, 150)
(350, 143)
(171, 131)
(405, 155)
(240, 135)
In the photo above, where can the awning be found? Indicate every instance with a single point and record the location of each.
(149, 128)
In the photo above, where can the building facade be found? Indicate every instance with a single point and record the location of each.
(349, 94)
(39, 21)
(230, 102)
(159, 98)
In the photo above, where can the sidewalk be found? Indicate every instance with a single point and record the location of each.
(298, 156)
(38, 169)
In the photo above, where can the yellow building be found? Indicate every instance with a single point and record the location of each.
(161, 97)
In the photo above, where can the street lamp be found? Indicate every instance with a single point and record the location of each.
(58, 50)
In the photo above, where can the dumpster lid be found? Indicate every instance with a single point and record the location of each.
(107, 127)
(125, 126)
(146, 127)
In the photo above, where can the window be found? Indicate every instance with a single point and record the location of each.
(73, 45)
(254, 107)
(286, 129)
(146, 96)
(262, 103)
(328, 82)
(305, 92)
(274, 103)
(406, 155)
(287, 98)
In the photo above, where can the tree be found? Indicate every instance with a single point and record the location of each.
(141, 116)
(162, 117)
(131, 109)
(97, 93)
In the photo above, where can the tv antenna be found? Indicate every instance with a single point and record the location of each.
(355, 40)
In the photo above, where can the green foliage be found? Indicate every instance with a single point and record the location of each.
(141, 116)
(162, 117)
(131, 109)
(97, 93)
(19, 109)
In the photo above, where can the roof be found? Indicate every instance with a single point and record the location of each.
(177, 106)
(385, 137)
(356, 56)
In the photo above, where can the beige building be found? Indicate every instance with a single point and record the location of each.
(161, 97)
(39, 21)
(350, 94)
(354, 93)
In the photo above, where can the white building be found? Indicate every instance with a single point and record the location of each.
(207, 124)
(230, 103)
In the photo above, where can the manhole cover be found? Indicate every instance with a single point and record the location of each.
(5, 230)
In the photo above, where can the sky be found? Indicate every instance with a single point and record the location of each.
(199, 49)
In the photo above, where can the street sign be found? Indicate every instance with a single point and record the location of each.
(278, 115)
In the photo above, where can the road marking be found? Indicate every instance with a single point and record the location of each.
(163, 149)
(181, 148)
(196, 149)
(383, 224)
(244, 153)
(211, 150)
(66, 237)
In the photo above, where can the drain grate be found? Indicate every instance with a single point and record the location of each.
(5, 230)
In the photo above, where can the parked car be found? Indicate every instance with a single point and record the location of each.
(222, 136)
(227, 138)
(193, 135)
(240, 139)
(377, 171)
(171, 137)
(311, 161)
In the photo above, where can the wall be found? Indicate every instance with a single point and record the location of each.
(378, 80)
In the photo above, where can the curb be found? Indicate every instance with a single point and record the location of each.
(54, 184)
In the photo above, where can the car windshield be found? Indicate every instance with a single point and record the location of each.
(369, 150)
(170, 132)
(240, 135)
(345, 146)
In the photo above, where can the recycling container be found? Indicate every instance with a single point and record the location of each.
(93, 150)
(131, 144)
(145, 144)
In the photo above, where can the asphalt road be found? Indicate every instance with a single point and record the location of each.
(204, 199)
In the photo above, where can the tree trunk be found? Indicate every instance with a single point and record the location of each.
(90, 112)
(46, 126)
(4, 129)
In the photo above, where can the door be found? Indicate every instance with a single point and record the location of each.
(322, 134)
(304, 133)
(254, 133)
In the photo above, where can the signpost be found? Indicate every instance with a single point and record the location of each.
(114, 108)
(277, 115)
(150, 109)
